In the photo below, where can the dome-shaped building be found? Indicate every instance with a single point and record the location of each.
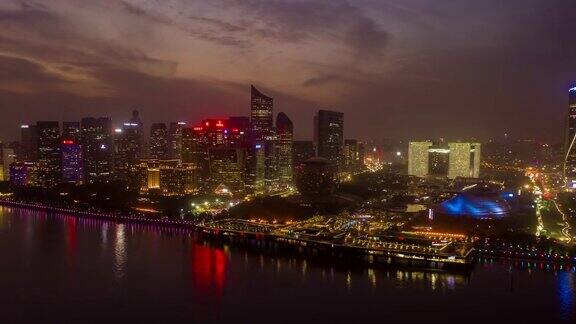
(316, 177)
(477, 202)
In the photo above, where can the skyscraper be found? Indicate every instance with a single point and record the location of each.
(418, 158)
(329, 136)
(285, 133)
(159, 141)
(72, 162)
(96, 135)
(28, 143)
(453, 160)
(570, 141)
(49, 169)
(263, 173)
(175, 140)
(464, 160)
(261, 112)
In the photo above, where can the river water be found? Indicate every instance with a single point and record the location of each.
(57, 268)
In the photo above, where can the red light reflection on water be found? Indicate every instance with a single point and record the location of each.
(71, 240)
(208, 268)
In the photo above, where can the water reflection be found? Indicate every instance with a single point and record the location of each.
(208, 266)
(201, 272)
(119, 253)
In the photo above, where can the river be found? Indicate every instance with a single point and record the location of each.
(57, 268)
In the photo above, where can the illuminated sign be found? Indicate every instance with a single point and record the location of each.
(118, 130)
(24, 126)
(572, 89)
(181, 123)
(198, 128)
(219, 124)
(67, 142)
(258, 146)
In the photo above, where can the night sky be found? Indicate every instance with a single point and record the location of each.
(396, 68)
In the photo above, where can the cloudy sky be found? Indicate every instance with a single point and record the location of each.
(396, 68)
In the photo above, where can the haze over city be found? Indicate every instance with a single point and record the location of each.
(403, 68)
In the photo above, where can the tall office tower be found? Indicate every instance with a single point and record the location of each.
(263, 140)
(71, 131)
(302, 151)
(72, 162)
(127, 151)
(49, 167)
(351, 156)
(464, 160)
(285, 133)
(329, 136)
(97, 149)
(570, 141)
(227, 169)
(7, 157)
(159, 141)
(261, 110)
(28, 143)
(175, 140)
(418, 158)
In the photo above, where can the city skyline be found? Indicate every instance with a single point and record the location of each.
(392, 63)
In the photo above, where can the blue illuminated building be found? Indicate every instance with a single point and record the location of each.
(479, 203)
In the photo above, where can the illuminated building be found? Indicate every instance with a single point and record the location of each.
(23, 174)
(159, 141)
(127, 150)
(28, 143)
(7, 157)
(72, 162)
(284, 131)
(302, 151)
(464, 160)
(48, 164)
(239, 128)
(168, 177)
(261, 110)
(263, 168)
(227, 168)
(352, 157)
(329, 136)
(175, 140)
(97, 148)
(180, 179)
(570, 141)
(418, 158)
(71, 131)
(453, 160)
(439, 160)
